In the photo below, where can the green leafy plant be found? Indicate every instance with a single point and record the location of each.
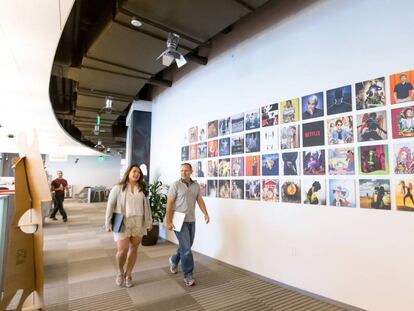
(158, 200)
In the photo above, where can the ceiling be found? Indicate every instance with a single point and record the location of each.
(101, 54)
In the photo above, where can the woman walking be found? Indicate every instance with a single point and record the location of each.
(128, 198)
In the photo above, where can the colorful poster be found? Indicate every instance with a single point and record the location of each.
(372, 126)
(339, 100)
(340, 130)
(202, 132)
(312, 106)
(224, 146)
(193, 152)
(314, 162)
(213, 148)
(212, 129)
(237, 123)
(237, 189)
(270, 164)
(237, 144)
(313, 134)
(289, 110)
(203, 187)
(270, 115)
(402, 120)
(289, 137)
(404, 195)
(224, 167)
(342, 192)
(224, 126)
(201, 167)
(374, 193)
(269, 139)
(212, 188)
(270, 190)
(212, 168)
(373, 160)
(252, 119)
(341, 161)
(202, 150)
(290, 191)
(401, 87)
(193, 134)
(253, 165)
(370, 94)
(252, 189)
(185, 153)
(252, 142)
(314, 191)
(404, 158)
(224, 189)
(237, 166)
(290, 162)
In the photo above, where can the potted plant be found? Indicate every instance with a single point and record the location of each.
(158, 200)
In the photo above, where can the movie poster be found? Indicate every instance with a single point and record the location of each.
(202, 150)
(339, 100)
(404, 158)
(253, 165)
(374, 193)
(193, 134)
(224, 189)
(252, 142)
(314, 191)
(314, 162)
(373, 160)
(340, 130)
(224, 167)
(341, 161)
(237, 144)
(237, 123)
(270, 164)
(237, 166)
(270, 115)
(252, 189)
(289, 110)
(404, 195)
(202, 132)
(312, 106)
(342, 192)
(372, 126)
(224, 146)
(402, 120)
(224, 126)
(213, 148)
(401, 87)
(370, 94)
(270, 190)
(237, 189)
(252, 119)
(269, 139)
(201, 168)
(185, 153)
(290, 162)
(194, 168)
(203, 187)
(212, 168)
(313, 134)
(289, 137)
(193, 152)
(212, 188)
(290, 190)
(212, 129)
(186, 137)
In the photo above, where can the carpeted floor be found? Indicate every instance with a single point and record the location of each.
(79, 261)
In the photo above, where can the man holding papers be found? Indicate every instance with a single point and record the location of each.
(182, 196)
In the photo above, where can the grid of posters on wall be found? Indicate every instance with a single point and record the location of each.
(332, 148)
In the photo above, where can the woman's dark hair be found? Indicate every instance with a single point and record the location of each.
(142, 185)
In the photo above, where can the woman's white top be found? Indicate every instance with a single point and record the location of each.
(134, 202)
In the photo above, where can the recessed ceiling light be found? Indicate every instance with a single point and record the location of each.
(136, 22)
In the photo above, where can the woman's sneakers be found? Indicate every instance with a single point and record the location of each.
(189, 281)
(128, 282)
(119, 281)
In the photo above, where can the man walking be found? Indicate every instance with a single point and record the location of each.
(58, 186)
(182, 196)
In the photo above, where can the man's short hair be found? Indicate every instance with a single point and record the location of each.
(188, 164)
(403, 75)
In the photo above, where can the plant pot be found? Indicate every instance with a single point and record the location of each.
(152, 236)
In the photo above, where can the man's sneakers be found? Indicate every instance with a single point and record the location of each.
(173, 267)
(189, 281)
(53, 218)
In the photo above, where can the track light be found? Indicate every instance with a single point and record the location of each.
(108, 105)
(99, 145)
(171, 54)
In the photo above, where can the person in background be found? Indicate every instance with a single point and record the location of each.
(182, 196)
(129, 197)
(58, 187)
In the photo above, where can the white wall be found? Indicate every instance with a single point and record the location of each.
(88, 171)
(356, 256)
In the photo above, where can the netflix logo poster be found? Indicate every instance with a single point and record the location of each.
(313, 134)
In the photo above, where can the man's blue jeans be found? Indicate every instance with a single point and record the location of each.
(185, 241)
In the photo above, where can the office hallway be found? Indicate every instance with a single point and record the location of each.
(79, 259)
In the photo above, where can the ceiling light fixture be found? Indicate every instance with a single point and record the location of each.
(108, 105)
(136, 22)
(99, 145)
(171, 54)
